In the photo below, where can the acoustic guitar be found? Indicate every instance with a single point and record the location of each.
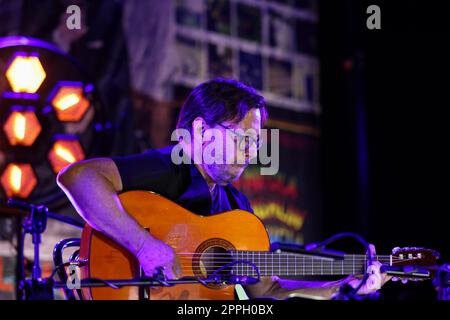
(237, 239)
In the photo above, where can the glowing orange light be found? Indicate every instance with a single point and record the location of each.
(70, 103)
(25, 74)
(22, 128)
(65, 152)
(18, 180)
(20, 123)
(15, 178)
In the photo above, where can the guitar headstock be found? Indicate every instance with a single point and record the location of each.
(414, 256)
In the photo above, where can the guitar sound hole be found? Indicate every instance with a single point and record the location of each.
(214, 258)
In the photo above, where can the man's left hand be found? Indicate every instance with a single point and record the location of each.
(376, 279)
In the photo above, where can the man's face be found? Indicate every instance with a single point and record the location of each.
(237, 151)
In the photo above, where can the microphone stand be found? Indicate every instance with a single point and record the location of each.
(32, 219)
(137, 282)
(42, 289)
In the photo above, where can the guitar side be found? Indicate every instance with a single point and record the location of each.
(184, 231)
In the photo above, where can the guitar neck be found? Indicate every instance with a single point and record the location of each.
(291, 264)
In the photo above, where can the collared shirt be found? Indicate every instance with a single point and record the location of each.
(154, 171)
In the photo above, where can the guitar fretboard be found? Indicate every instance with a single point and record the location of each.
(291, 264)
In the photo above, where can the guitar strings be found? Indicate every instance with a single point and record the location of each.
(286, 272)
(316, 262)
(278, 270)
(337, 265)
(306, 258)
(282, 268)
(268, 271)
(280, 255)
(307, 264)
(284, 265)
(256, 253)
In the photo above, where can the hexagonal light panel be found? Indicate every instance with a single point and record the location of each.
(18, 180)
(22, 128)
(25, 73)
(70, 103)
(65, 152)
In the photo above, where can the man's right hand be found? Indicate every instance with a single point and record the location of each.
(155, 254)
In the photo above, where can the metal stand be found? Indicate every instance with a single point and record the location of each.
(139, 282)
(42, 289)
(20, 272)
(34, 223)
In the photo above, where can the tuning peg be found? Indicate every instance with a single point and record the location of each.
(395, 250)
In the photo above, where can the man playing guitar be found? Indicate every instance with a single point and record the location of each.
(201, 187)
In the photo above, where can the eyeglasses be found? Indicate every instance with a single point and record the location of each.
(244, 141)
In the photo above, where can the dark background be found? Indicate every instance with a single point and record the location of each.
(385, 119)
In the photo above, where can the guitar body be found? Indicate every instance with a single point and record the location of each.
(185, 232)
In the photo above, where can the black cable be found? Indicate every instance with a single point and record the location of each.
(214, 274)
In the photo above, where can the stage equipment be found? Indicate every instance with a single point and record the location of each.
(50, 117)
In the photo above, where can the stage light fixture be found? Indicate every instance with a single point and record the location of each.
(22, 128)
(18, 180)
(25, 73)
(69, 102)
(65, 151)
(49, 118)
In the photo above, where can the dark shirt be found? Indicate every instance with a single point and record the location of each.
(154, 171)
